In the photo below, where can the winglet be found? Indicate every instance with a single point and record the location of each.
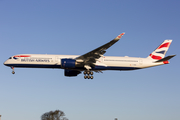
(119, 36)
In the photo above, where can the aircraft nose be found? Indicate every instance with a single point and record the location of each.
(6, 63)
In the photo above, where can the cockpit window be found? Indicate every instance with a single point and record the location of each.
(10, 58)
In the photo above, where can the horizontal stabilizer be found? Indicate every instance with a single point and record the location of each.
(165, 59)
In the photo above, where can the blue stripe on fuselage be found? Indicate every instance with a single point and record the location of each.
(77, 68)
(33, 66)
(114, 68)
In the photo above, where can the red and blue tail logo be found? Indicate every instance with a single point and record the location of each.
(160, 52)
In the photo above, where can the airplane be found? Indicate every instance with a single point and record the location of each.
(93, 61)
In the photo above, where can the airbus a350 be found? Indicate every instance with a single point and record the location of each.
(93, 61)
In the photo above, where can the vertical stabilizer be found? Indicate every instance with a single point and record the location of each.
(160, 51)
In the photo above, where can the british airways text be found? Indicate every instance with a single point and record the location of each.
(35, 60)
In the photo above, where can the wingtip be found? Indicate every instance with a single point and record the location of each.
(120, 35)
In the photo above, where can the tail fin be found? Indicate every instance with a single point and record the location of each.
(160, 52)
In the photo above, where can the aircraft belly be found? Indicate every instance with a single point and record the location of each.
(117, 65)
(35, 65)
(114, 68)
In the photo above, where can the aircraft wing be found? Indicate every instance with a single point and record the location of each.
(91, 57)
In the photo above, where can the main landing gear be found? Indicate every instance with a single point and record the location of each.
(12, 70)
(88, 74)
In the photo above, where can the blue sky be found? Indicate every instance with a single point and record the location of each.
(77, 27)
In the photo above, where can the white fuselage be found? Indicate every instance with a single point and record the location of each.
(92, 61)
(103, 63)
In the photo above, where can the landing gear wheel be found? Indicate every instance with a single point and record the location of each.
(91, 73)
(13, 72)
(85, 72)
(88, 74)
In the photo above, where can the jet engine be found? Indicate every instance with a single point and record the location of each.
(71, 63)
(68, 63)
(71, 73)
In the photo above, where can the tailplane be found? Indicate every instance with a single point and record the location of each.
(165, 60)
(160, 51)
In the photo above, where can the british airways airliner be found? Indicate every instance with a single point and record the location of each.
(93, 61)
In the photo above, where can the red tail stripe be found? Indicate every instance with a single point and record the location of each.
(164, 45)
(156, 57)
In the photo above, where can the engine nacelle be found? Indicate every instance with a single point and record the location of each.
(71, 73)
(68, 63)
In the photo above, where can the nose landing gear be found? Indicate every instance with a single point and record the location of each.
(88, 74)
(12, 70)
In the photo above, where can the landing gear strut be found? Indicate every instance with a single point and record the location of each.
(88, 74)
(12, 70)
